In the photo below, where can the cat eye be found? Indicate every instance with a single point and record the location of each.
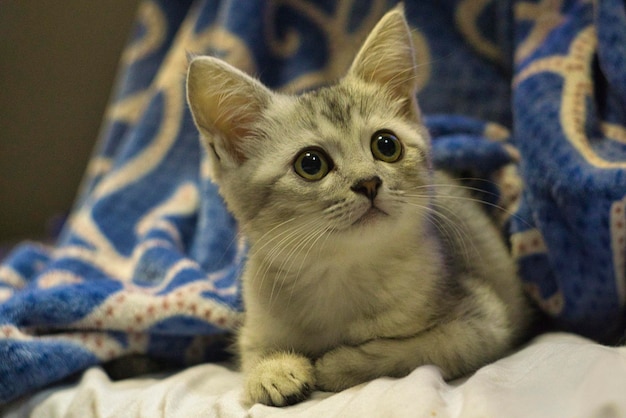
(386, 146)
(312, 164)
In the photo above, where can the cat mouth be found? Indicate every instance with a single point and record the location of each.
(372, 215)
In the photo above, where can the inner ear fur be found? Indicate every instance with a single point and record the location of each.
(387, 58)
(225, 104)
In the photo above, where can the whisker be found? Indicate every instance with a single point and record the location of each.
(322, 232)
(284, 269)
(283, 242)
(284, 238)
(449, 224)
(272, 230)
(459, 186)
(471, 199)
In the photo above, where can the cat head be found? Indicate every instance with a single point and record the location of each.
(340, 158)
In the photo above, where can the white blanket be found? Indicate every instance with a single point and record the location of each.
(556, 375)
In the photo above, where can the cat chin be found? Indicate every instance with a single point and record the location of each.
(372, 216)
(374, 224)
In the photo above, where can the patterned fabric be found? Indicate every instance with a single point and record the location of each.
(149, 259)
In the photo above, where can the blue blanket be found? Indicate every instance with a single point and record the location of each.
(528, 95)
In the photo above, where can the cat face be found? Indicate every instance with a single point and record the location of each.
(340, 159)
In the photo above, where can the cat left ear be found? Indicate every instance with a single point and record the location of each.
(387, 57)
(225, 104)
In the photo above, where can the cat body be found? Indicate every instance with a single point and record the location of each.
(363, 261)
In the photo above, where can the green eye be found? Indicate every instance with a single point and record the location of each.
(312, 164)
(386, 147)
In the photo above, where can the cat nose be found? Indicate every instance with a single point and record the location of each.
(368, 187)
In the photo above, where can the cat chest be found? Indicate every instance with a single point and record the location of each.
(346, 298)
(353, 306)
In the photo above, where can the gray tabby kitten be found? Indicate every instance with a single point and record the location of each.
(363, 262)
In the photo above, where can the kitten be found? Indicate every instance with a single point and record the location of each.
(363, 261)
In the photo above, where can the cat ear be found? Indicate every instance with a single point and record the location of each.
(225, 104)
(387, 57)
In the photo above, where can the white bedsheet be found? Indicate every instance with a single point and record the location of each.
(556, 375)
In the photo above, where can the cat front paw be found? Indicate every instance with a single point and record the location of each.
(280, 379)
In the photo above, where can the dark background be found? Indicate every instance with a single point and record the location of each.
(58, 61)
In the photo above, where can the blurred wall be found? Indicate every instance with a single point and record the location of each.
(58, 60)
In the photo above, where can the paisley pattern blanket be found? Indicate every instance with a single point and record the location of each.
(529, 96)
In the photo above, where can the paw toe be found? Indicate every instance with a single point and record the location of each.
(280, 380)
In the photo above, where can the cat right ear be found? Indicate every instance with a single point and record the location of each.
(387, 58)
(225, 104)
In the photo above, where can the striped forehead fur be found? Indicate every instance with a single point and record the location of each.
(338, 108)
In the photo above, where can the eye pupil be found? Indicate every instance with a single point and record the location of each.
(386, 146)
(311, 163)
